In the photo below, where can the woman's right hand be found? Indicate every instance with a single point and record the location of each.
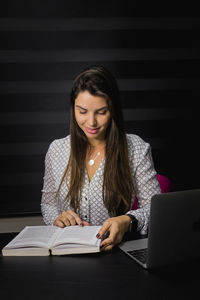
(69, 218)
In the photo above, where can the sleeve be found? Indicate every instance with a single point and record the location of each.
(146, 185)
(49, 203)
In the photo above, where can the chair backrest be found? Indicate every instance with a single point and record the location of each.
(165, 186)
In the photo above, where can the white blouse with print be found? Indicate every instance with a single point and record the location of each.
(92, 208)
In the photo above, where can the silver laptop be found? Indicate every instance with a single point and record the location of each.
(174, 231)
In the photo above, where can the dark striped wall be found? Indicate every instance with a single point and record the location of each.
(43, 45)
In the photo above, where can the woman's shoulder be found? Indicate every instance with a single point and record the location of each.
(136, 143)
(60, 144)
(134, 140)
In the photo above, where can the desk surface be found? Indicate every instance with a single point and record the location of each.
(93, 276)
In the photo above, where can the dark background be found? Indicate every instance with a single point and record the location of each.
(154, 54)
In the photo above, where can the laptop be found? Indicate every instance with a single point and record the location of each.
(174, 231)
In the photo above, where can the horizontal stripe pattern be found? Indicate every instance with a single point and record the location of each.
(91, 9)
(64, 86)
(121, 70)
(95, 24)
(103, 54)
(99, 39)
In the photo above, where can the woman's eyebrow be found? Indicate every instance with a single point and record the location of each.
(101, 108)
(104, 107)
(78, 106)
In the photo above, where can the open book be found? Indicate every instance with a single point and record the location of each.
(52, 240)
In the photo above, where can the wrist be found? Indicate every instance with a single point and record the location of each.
(126, 221)
(133, 223)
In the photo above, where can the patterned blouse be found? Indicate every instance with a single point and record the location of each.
(92, 208)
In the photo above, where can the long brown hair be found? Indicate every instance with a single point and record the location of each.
(118, 187)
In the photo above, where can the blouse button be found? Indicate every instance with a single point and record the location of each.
(86, 216)
(85, 198)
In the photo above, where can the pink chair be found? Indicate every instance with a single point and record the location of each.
(165, 186)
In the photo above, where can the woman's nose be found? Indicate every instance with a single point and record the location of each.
(92, 120)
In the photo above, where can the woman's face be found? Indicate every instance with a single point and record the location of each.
(92, 115)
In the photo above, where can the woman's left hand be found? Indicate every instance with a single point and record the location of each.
(117, 227)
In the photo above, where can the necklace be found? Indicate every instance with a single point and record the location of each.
(92, 161)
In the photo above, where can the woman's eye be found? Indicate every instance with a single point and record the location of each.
(102, 112)
(82, 112)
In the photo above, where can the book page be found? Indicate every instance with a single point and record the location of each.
(78, 235)
(35, 236)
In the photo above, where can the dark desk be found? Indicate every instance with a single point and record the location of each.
(93, 276)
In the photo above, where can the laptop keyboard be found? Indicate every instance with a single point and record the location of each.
(140, 254)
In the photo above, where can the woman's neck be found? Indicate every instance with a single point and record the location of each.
(97, 143)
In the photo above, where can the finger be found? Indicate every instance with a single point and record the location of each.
(105, 227)
(84, 223)
(111, 238)
(65, 221)
(107, 248)
(71, 220)
(75, 216)
(67, 218)
(107, 242)
(59, 223)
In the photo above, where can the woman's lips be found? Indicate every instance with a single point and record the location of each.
(92, 131)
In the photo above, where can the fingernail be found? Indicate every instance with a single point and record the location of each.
(81, 224)
(98, 235)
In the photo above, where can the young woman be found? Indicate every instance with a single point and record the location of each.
(92, 175)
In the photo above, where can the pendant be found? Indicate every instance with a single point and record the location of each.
(91, 162)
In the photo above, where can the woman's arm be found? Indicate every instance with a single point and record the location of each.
(49, 205)
(51, 211)
(146, 185)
